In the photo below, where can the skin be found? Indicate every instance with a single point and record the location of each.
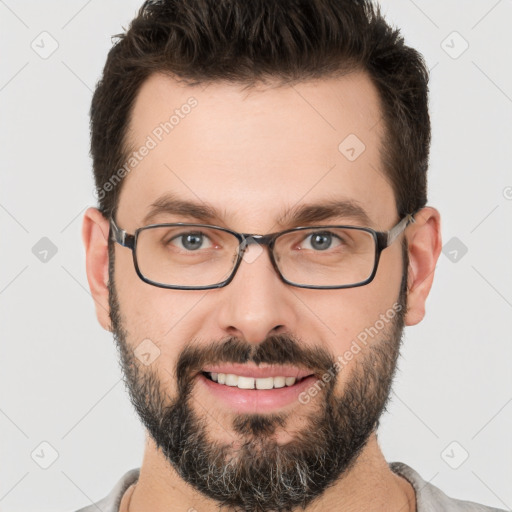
(251, 155)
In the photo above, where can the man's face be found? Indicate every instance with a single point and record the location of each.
(251, 157)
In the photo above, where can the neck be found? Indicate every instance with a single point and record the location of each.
(370, 485)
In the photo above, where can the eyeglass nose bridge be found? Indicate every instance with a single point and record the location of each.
(248, 239)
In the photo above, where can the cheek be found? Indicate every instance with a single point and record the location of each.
(345, 313)
(352, 317)
(155, 316)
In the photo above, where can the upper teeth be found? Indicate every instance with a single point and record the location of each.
(230, 379)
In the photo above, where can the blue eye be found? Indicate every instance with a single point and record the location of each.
(321, 241)
(191, 241)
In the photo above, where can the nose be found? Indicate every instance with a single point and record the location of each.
(256, 304)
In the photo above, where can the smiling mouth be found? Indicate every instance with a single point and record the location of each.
(243, 382)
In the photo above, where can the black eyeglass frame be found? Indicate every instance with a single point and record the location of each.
(383, 239)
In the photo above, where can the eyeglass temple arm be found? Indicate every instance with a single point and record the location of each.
(395, 231)
(120, 236)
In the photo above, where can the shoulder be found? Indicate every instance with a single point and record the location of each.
(111, 502)
(430, 498)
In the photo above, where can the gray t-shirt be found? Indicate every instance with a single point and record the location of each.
(428, 497)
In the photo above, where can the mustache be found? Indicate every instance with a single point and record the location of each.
(282, 349)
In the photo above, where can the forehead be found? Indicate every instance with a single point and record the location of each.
(253, 154)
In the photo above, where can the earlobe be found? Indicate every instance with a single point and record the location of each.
(424, 245)
(95, 231)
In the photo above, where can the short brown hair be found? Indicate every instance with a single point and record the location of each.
(246, 42)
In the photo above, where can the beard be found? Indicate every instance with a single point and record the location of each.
(255, 473)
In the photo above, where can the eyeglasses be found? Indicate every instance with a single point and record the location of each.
(186, 256)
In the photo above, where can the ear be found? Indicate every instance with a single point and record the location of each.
(95, 230)
(424, 244)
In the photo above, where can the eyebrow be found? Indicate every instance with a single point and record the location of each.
(169, 204)
(301, 214)
(310, 213)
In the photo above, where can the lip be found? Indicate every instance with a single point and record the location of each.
(259, 372)
(256, 400)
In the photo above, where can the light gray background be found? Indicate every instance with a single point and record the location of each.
(59, 378)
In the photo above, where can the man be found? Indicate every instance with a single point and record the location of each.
(262, 238)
